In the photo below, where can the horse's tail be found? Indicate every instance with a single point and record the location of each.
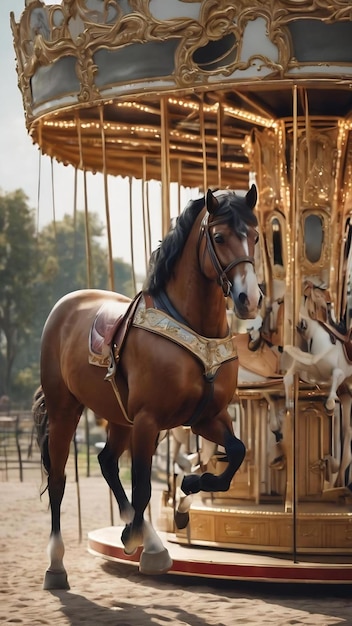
(40, 418)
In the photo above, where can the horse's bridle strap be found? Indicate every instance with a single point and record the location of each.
(221, 272)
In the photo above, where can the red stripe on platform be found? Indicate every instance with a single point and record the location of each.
(291, 572)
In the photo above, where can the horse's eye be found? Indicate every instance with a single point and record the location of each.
(256, 238)
(218, 238)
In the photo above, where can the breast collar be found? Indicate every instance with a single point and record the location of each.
(212, 353)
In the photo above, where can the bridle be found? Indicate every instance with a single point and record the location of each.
(221, 272)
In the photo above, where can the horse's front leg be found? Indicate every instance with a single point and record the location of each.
(221, 432)
(346, 456)
(288, 385)
(155, 559)
(337, 378)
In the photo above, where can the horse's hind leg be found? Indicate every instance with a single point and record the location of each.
(118, 441)
(55, 447)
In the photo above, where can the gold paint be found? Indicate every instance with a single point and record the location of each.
(211, 352)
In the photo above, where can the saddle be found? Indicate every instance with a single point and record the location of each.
(346, 339)
(262, 361)
(320, 310)
(109, 331)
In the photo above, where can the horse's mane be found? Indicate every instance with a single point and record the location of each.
(232, 208)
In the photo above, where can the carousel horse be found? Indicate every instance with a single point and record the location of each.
(328, 361)
(329, 348)
(344, 439)
(169, 358)
(259, 355)
(189, 453)
(337, 465)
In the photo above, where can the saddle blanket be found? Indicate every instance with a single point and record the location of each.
(109, 327)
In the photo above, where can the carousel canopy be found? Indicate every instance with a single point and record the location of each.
(133, 79)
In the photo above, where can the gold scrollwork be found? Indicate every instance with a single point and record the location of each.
(47, 33)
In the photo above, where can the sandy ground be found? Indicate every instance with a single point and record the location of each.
(105, 593)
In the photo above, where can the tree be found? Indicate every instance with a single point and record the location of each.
(68, 266)
(18, 270)
(35, 271)
(62, 247)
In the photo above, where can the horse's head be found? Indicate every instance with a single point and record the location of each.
(230, 235)
(307, 325)
(303, 326)
(316, 301)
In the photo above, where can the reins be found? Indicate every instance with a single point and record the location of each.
(221, 272)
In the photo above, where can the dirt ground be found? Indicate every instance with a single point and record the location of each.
(106, 593)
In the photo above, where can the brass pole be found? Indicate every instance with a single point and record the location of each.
(204, 145)
(296, 296)
(107, 206)
(147, 207)
(219, 146)
(88, 247)
(179, 178)
(53, 194)
(88, 244)
(39, 184)
(338, 278)
(75, 215)
(145, 212)
(165, 167)
(131, 235)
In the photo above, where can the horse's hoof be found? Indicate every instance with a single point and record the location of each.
(130, 551)
(131, 542)
(279, 463)
(181, 519)
(55, 580)
(155, 562)
(329, 410)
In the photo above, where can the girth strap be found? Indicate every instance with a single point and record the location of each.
(205, 399)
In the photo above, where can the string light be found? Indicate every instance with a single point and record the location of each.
(235, 112)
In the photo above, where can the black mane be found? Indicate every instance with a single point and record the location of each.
(232, 208)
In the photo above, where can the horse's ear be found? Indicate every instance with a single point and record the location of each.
(251, 197)
(212, 202)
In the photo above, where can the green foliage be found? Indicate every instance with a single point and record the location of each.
(18, 272)
(35, 271)
(62, 246)
(123, 282)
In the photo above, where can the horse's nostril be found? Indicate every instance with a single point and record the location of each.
(243, 298)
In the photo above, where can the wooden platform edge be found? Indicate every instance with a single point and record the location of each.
(231, 565)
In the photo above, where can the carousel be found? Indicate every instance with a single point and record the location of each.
(201, 94)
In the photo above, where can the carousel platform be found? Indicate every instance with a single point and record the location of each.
(213, 563)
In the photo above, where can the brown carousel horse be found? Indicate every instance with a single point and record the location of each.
(173, 363)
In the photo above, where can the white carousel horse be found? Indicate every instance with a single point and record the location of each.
(187, 453)
(260, 367)
(326, 363)
(341, 458)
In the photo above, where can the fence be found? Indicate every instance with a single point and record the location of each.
(20, 455)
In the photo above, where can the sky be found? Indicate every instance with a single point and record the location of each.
(21, 162)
